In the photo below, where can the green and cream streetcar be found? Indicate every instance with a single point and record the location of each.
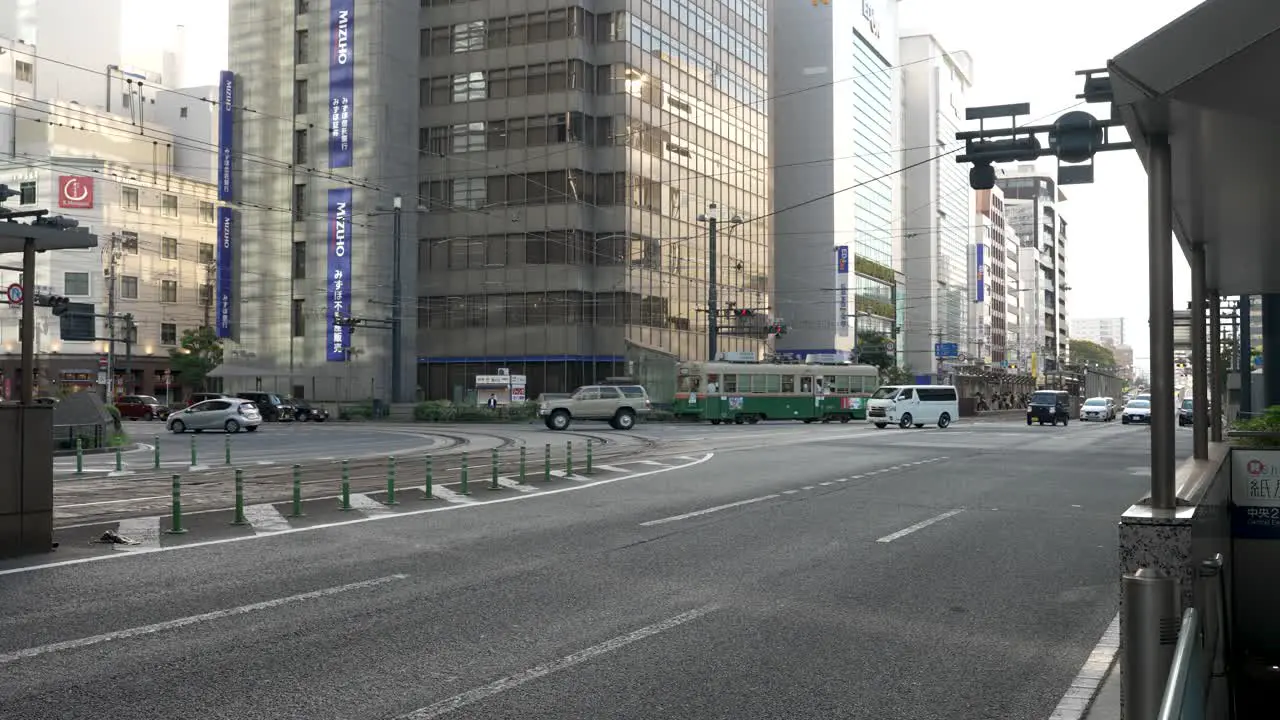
(725, 392)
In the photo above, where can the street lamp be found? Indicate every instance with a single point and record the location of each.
(712, 219)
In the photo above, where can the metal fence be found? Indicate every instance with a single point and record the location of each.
(91, 436)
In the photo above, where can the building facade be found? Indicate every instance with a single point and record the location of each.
(835, 132)
(938, 206)
(993, 322)
(1033, 202)
(1104, 331)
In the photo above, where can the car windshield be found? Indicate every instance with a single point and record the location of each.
(1095, 401)
(1044, 398)
(885, 393)
(1186, 404)
(1140, 404)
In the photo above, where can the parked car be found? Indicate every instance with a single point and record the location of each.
(202, 396)
(619, 405)
(1051, 405)
(304, 411)
(141, 407)
(1137, 411)
(274, 408)
(1186, 416)
(227, 414)
(1102, 409)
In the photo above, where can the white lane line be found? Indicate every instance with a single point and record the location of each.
(609, 468)
(707, 511)
(512, 682)
(113, 502)
(842, 479)
(361, 520)
(265, 518)
(507, 482)
(790, 492)
(1089, 680)
(856, 477)
(808, 487)
(443, 493)
(650, 462)
(919, 526)
(6, 658)
(146, 530)
(368, 505)
(824, 484)
(576, 478)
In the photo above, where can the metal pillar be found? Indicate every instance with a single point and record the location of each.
(1243, 306)
(397, 366)
(1217, 393)
(1150, 609)
(1164, 494)
(1270, 350)
(28, 322)
(1199, 357)
(713, 319)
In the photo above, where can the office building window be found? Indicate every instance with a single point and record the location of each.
(298, 318)
(169, 291)
(300, 147)
(24, 71)
(169, 205)
(206, 212)
(129, 287)
(169, 248)
(468, 137)
(299, 96)
(129, 198)
(27, 192)
(300, 201)
(129, 242)
(302, 40)
(75, 283)
(299, 261)
(206, 253)
(168, 334)
(469, 86)
(303, 6)
(206, 294)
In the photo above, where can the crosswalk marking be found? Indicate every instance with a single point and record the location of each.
(447, 495)
(265, 518)
(368, 505)
(610, 468)
(509, 483)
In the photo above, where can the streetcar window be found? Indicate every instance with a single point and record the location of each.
(841, 384)
(788, 383)
(806, 384)
(730, 383)
(690, 383)
(772, 383)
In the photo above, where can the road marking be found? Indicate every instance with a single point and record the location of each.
(6, 658)
(842, 480)
(707, 511)
(265, 518)
(919, 526)
(509, 483)
(824, 484)
(1088, 681)
(113, 502)
(610, 468)
(368, 505)
(808, 487)
(576, 478)
(856, 477)
(790, 492)
(651, 462)
(447, 495)
(146, 530)
(512, 682)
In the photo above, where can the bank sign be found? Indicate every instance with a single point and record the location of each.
(338, 282)
(226, 116)
(341, 81)
(224, 265)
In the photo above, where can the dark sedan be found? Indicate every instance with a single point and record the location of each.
(304, 411)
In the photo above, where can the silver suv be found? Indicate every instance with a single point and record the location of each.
(618, 404)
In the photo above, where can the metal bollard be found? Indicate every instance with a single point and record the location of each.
(568, 459)
(79, 456)
(193, 451)
(226, 442)
(589, 463)
(546, 465)
(1149, 635)
(176, 517)
(297, 492)
(346, 485)
(119, 460)
(428, 496)
(240, 518)
(493, 475)
(391, 481)
(155, 453)
(463, 490)
(522, 465)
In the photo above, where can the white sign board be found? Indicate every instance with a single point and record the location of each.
(1255, 478)
(502, 380)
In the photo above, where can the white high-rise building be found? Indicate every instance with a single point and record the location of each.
(939, 205)
(1104, 331)
(994, 316)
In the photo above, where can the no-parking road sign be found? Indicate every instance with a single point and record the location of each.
(14, 294)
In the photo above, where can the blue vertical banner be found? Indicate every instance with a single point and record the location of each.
(339, 278)
(226, 118)
(981, 273)
(342, 75)
(225, 265)
(842, 260)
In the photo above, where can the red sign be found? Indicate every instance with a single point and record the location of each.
(102, 362)
(75, 191)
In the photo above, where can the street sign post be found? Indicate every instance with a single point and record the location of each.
(14, 294)
(946, 350)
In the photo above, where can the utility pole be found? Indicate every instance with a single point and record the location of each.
(112, 249)
(397, 367)
(209, 273)
(712, 219)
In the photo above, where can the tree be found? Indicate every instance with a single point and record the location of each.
(1085, 352)
(199, 354)
(877, 349)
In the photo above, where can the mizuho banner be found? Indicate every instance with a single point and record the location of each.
(981, 274)
(225, 258)
(226, 116)
(341, 81)
(339, 278)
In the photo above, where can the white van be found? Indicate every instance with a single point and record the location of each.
(919, 405)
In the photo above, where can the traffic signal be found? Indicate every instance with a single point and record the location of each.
(58, 221)
(744, 312)
(58, 305)
(777, 329)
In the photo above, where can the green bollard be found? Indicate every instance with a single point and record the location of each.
(546, 465)
(391, 481)
(568, 459)
(588, 457)
(119, 460)
(240, 518)
(193, 451)
(493, 477)
(464, 490)
(346, 485)
(297, 492)
(79, 456)
(226, 441)
(522, 466)
(176, 524)
(155, 453)
(428, 488)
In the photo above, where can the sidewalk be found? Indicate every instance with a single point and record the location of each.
(1106, 704)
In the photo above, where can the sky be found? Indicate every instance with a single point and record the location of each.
(1023, 51)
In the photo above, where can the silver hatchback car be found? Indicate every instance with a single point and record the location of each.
(226, 414)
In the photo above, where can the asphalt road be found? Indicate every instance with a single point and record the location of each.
(828, 572)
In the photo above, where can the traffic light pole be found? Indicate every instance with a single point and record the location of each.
(109, 387)
(397, 367)
(28, 322)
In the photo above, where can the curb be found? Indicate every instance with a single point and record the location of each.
(97, 451)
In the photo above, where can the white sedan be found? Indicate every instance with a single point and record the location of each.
(1138, 411)
(1100, 409)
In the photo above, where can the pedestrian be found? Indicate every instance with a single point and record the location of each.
(492, 403)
